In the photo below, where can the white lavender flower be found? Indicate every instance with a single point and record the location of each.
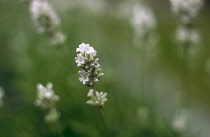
(185, 35)
(144, 23)
(1, 96)
(84, 75)
(44, 16)
(58, 38)
(80, 59)
(186, 10)
(181, 120)
(96, 98)
(46, 97)
(52, 116)
(86, 48)
(143, 20)
(47, 21)
(90, 73)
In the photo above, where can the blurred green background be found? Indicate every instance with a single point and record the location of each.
(136, 107)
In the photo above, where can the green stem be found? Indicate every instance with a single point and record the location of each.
(142, 77)
(185, 76)
(59, 131)
(106, 131)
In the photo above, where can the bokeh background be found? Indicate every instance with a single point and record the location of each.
(136, 107)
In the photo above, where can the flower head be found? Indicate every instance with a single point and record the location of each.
(47, 21)
(46, 97)
(52, 116)
(85, 48)
(90, 66)
(143, 19)
(90, 73)
(181, 120)
(144, 23)
(44, 16)
(58, 38)
(96, 98)
(185, 35)
(186, 10)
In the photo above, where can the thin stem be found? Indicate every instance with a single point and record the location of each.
(142, 75)
(59, 131)
(102, 118)
(103, 122)
(185, 76)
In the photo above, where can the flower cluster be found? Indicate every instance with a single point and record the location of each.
(1, 96)
(144, 24)
(47, 21)
(143, 20)
(186, 10)
(46, 99)
(53, 115)
(96, 98)
(91, 72)
(187, 36)
(181, 120)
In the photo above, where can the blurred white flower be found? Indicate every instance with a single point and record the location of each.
(144, 23)
(46, 97)
(143, 20)
(185, 35)
(84, 75)
(58, 38)
(1, 96)
(98, 99)
(181, 120)
(47, 21)
(44, 15)
(186, 10)
(52, 116)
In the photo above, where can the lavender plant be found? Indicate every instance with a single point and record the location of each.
(181, 120)
(186, 35)
(46, 99)
(47, 21)
(145, 38)
(90, 73)
(186, 12)
(143, 23)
